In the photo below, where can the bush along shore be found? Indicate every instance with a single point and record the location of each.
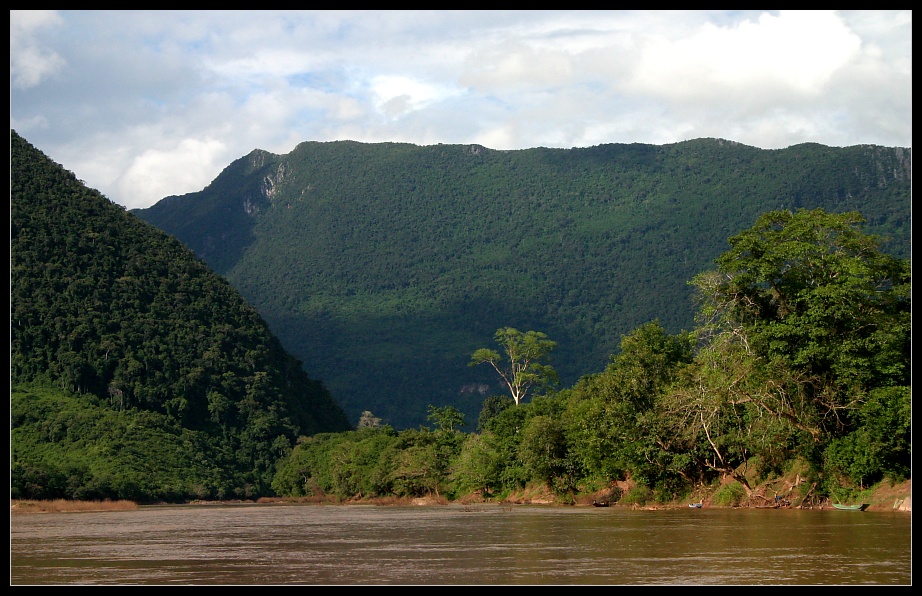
(784, 493)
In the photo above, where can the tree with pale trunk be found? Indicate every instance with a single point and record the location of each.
(523, 369)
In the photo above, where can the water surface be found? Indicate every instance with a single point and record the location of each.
(454, 544)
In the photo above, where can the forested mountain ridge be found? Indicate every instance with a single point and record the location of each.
(116, 325)
(384, 266)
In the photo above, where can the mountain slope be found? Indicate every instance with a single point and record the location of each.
(107, 307)
(384, 266)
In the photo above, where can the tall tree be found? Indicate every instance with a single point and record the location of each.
(524, 369)
(811, 296)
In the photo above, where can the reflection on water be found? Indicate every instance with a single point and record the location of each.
(358, 544)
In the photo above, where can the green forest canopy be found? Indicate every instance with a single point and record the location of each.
(110, 309)
(137, 373)
(800, 361)
(384, 266)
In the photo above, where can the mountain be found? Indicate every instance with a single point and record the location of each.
(116, 326)
(384, 266)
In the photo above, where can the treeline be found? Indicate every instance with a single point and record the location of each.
(801, 356)
(137, 373)
(381, 266)
(164, 354)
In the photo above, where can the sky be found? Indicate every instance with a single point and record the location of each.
(142, 105)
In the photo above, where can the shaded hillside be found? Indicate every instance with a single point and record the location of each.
(107, 307)
(384, 266)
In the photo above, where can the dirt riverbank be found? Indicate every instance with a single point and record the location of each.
(885, 497)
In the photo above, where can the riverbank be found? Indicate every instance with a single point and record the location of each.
(884, 497)
(65, 506)
(790, 492)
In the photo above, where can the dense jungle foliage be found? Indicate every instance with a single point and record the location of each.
(801, 356)
(384, 266)
(137, 372)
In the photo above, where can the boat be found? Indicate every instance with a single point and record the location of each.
(860, 507)
(600, 503)
(695, 505)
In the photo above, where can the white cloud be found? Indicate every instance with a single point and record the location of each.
(794, 53)
(191, 164)
(396, 95)
(160, 102)
(30, 61)
(263, 65)
(517, 66)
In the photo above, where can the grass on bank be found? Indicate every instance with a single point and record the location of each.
(67, 506)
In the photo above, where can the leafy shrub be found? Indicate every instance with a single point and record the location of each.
(729, 495)
(637, 495)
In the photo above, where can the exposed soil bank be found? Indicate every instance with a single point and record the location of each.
(886, 497)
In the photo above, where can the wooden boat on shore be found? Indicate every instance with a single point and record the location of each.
(695, 505)
(860, 507)
(600, 503)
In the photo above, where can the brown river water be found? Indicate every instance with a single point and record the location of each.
(274, 544)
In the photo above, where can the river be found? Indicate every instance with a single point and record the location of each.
(283, 544)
